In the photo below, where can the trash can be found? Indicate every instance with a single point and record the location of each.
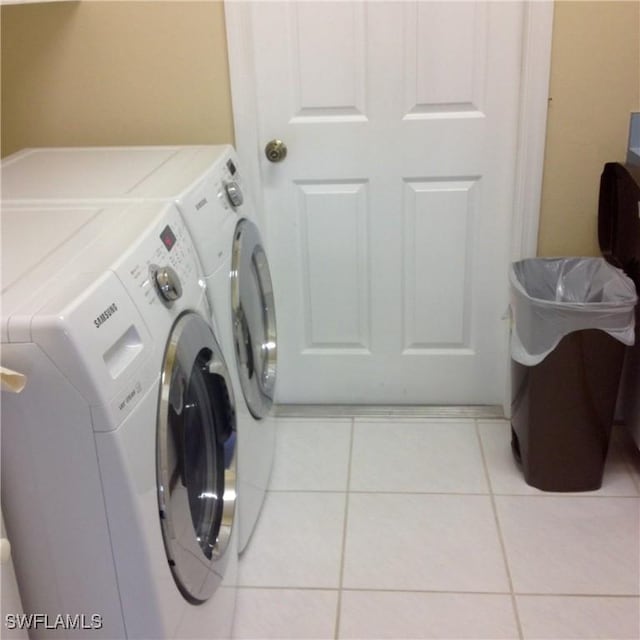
(572, 318)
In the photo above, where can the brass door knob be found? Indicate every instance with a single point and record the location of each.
(276, 151)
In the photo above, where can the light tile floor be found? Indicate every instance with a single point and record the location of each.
(424, 528)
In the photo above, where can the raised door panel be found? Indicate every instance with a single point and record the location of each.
(334, 285)
(437, 276)
(329, 78)
(445, 57)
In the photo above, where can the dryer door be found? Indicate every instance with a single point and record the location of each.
(196, 460)
(254, 319)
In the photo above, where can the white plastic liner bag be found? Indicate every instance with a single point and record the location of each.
(552, 297)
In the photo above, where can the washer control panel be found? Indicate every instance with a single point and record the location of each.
(164, 267)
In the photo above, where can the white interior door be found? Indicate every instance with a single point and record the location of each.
(388, 224)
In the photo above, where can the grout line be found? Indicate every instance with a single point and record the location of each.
(276, 587)
(621, 596)
(503, 548)
(424, 493)
(528, 594)
(390, 493)
(549, 494)
(533, 594)
(561, 495)
(485, 466)
(344, 532)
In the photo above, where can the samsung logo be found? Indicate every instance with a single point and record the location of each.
(105, 315)
(201, 204)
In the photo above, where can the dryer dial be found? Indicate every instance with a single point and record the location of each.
(167, 284)
(234, 194)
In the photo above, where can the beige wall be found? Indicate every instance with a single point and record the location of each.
(91, 73)
(595, 84)
(94, 72)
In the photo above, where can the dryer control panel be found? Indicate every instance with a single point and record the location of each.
(207, 207)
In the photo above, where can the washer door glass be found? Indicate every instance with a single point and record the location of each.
(254, 319)
(196, 458)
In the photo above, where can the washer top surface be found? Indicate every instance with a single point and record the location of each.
(30, 235)
(195, 178)
(45, 249)
(63, 173)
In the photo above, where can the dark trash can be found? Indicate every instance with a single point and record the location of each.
(572, 318)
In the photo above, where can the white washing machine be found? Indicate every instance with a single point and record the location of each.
(118, 457)
(207, 186)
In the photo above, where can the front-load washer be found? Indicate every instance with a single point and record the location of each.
(207, 186)
(119, 456)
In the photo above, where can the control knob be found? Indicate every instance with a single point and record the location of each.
(167, 283)
(234, 194)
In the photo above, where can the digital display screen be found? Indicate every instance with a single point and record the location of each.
(231, 167)
(168, 238)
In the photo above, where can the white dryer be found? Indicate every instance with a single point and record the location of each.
(207, 186)
(118, 457)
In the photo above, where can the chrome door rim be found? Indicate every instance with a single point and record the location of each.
(197, 575)
(249, 258)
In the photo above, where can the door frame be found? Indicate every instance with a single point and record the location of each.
(537, 32)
